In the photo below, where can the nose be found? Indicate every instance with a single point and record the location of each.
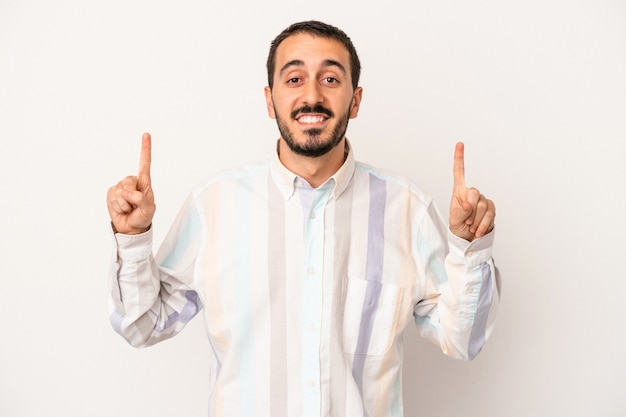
(312, 93)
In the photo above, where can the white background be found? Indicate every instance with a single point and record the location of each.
(536, 89)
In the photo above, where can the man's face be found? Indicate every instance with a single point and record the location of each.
(312, 97)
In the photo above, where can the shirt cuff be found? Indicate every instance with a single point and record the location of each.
(472, 253)
(134, 247)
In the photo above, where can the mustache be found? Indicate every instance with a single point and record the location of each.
(318, 108)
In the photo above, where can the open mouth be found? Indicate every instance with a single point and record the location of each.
(310, 116)
(311, 119)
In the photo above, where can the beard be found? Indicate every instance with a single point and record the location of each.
(314, 144)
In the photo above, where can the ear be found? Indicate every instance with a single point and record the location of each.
(269, 103)
(356, 102)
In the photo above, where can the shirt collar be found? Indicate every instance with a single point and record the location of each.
(286, 180)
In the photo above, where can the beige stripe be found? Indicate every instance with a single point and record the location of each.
(214, 310)
(389, 369)
(337, 366)
(278, 298)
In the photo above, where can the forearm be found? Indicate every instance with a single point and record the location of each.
(147, 305)
(459, 309)
(470, 301)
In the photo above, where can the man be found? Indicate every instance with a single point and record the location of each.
(308, 267)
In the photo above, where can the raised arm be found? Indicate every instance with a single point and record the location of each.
(149, 303)
(459, 307)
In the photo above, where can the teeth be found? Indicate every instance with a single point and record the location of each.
(311, 119)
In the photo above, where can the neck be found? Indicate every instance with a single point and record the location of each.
(314, 170)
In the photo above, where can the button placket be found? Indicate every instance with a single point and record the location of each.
(313, 211)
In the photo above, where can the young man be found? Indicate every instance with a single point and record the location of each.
(309, 267)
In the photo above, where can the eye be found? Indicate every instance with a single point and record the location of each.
(293, 80)
(331, 80)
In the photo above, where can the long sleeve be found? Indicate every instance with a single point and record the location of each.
(461, 289)
(153, 298)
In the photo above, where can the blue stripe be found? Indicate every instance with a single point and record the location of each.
(188, 312)
(435, 264)
(373, 274)
(312, 295)
(185, 238)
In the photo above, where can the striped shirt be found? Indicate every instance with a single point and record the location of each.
(306, 292)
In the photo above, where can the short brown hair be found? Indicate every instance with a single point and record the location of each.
(323, 30)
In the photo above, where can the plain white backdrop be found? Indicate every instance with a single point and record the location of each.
(536, 90)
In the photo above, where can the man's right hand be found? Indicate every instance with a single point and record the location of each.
(131, 201)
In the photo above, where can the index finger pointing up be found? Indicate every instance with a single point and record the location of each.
(146, 155)
(459, 165)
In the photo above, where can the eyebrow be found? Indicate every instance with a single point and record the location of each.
(300, 63)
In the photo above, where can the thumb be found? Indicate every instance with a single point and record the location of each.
(460, 211)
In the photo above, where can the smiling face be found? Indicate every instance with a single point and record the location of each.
(312, 97)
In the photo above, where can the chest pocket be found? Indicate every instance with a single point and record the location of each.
(371, 314)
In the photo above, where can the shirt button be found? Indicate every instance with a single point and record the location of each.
(311, 383)
(312, 215)
(312, 328)
(311, 271)
(470, 290)
(469, 253)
